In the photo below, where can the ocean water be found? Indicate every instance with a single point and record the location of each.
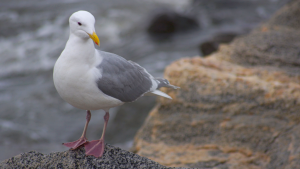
(33, 34)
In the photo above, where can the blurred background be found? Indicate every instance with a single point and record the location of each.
(152, 33)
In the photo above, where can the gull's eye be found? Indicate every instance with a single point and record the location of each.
(79, 24)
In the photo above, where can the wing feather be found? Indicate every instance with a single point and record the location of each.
(122, 79)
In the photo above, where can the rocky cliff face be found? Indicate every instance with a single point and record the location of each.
(238, 108)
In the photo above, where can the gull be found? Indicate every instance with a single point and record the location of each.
(91, 79)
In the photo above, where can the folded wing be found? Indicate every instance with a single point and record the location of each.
(121, 79)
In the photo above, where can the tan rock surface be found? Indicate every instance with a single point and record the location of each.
(238, 108)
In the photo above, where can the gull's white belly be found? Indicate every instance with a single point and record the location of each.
(77, 85)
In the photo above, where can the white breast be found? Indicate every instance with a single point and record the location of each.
(75, 82)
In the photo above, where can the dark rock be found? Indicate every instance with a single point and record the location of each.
(212, 45)
(168, 22)
(208, 47)
(113, 158)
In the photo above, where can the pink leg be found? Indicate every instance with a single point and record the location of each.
(82, 140)
(96, 147)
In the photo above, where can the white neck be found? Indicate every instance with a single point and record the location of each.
(79, 49)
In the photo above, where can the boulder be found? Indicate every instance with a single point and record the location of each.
(113, 158)
(166, 22)
(237, 108)
(211, 45)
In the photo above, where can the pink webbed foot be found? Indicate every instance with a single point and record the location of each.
(95, 148)
(82, 140)
(75, 144)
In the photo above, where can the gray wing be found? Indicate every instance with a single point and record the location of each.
(122, 79)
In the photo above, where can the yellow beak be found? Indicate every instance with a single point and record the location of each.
(95, 38)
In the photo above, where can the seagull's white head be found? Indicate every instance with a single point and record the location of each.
(82, 24)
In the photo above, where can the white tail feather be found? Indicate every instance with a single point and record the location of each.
(160, 93)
